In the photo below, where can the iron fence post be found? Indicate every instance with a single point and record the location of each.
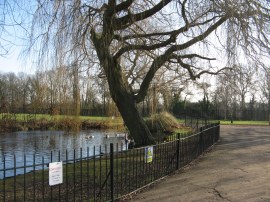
(218, 129)
(178, 152)
(14, 181)
(111, 171)
(4, 178)
(201, 141)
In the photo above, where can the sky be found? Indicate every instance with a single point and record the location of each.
(14, 21)
(12, 63)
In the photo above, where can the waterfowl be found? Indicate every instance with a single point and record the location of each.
(89, 137)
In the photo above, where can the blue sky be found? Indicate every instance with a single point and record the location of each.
(10, 63)
(14, 29)
(13, 62)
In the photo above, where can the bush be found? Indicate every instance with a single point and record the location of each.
(70, 124)
(162, 123)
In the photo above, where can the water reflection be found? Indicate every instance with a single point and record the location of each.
(50, 146)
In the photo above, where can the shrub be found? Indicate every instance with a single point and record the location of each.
(162, 123)
(69, 124)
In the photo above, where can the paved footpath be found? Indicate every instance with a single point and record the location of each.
(236, 169)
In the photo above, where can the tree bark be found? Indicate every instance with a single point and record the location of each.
(122, 94)
(127, 107)
(133, 120)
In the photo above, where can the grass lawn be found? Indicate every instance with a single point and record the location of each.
(22, 117)
(257, 123)
(18, 122)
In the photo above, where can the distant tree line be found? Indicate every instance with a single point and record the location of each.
(54, 92)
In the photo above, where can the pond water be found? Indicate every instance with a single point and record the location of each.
(23, 148)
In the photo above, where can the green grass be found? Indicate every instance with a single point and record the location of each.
(258, 123)
(228, 122)
(34, 121)
(22, 117)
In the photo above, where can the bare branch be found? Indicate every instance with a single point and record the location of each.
(123, 22)
(200, 37)
(124, 5)
(183, 11)
(146, 47)
(189, 56)
(193, 75)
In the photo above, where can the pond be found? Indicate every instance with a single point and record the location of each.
(22, 148)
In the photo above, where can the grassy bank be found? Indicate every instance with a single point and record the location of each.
(28, 122)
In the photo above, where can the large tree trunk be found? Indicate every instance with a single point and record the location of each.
(122, 95)
(125, 101)
(133, 120)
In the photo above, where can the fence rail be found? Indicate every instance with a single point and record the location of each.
(105, 176)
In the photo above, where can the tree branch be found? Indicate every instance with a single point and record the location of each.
(192, 74)
(124, 5)
(172, 38)
(180, 30)
(212, 73)
(123, 22)
(199, 37)
(184, 12)
(189, 56)
(188, 68)
(159, 61)
(112, 4)
(135, 36)
(146, 47)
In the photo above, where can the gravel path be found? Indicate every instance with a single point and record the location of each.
(236, 169)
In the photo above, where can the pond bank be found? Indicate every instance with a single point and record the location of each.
(12, 124)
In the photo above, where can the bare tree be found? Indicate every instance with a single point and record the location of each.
(23, 91)
(165, 32)
(264, 85)
(241, 81)
(225, 96)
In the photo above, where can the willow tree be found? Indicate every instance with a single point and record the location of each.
(117, 36)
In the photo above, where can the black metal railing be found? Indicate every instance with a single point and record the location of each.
(110, 173)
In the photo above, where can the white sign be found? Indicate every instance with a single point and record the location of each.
(55, 173)
(149, 154)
